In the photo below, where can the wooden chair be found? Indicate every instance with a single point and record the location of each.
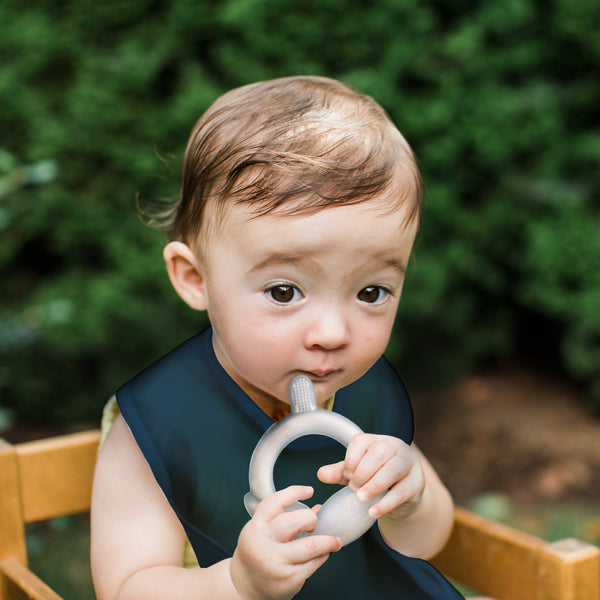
(53, 477)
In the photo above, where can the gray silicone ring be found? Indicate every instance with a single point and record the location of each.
(343, 514)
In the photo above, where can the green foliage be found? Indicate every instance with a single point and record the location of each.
(499, 101)
(59, 553)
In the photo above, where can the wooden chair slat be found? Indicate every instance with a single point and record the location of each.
(57, 475)
(12, 529)
(569, 570)
(19, 583)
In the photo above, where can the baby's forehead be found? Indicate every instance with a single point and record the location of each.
(342, 244)
(227, 218)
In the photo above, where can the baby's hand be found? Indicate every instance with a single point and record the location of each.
(268, 562)
(375, 463)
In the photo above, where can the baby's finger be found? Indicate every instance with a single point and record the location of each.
(287, 525)
(376, 470)
(276, 503)
(311, 553)
(308, 568)
(405, 496)
(357, 448)
(312, 548)
(381, 468)
(332, 473)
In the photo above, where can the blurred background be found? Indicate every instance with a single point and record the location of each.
(498, 335)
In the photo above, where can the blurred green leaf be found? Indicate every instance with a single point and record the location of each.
(499, 101)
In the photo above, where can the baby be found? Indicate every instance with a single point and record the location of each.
(299, 207)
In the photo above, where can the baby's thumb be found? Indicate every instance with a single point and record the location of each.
(332, 473)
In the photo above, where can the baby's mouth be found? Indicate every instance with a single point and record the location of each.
(321, 375)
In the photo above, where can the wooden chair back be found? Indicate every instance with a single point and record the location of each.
(53, 477)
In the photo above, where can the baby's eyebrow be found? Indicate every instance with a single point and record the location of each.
(274, 260)
(307, 262)
(385, 260)
(395, 264)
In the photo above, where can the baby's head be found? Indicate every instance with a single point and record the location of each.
(299, 207)
(290, 146)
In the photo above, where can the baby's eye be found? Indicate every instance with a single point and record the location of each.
(284, 294)
(373, 294)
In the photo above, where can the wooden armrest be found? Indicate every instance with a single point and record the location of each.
(507, 564)
(17, 582)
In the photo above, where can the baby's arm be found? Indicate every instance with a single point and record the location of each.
(415, 517)
(137, 540)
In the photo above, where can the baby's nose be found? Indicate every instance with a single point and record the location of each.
(328, 330)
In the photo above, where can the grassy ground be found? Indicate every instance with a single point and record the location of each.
(59, 549)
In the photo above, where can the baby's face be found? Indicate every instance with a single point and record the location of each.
(309, 294)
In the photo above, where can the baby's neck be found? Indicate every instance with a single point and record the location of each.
(274, 408)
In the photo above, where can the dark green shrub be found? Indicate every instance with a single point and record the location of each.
(499, 101)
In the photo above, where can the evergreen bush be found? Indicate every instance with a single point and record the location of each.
(499, 101)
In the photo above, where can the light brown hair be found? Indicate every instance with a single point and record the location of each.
(293, 145)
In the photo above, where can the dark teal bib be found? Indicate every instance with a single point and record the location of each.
(197, 430)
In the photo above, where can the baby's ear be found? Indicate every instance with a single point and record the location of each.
(185, 274)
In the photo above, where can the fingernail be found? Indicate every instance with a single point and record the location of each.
(373, 513)
(363, 495)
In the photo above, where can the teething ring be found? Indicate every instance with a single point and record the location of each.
(343, 514)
